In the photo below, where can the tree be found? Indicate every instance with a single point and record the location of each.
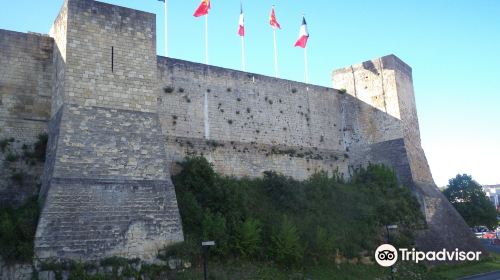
(467, 196)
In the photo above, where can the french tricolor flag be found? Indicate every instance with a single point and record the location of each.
(303, 35)
(241, 29)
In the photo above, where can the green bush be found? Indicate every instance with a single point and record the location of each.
(214, 229)
(40, 147)
(18, 177)
(286, 244)
(37, 151)
(17, 231)
(4, 143)
(11, 157)
(248, 238)
(323, 247)
(189, 250)
(325, 215)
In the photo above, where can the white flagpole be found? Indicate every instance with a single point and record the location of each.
(206, 39)
(166, 30)
(243, 53)
(305, 65)
(207, 126)
(275, 55)
(205, 116)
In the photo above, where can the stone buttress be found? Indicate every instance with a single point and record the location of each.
(386, 85)
(106, 188)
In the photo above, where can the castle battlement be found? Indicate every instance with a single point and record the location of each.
(119, 117)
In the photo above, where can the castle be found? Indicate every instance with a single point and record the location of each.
(119, 117)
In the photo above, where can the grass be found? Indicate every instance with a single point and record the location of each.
(449, 272)
(245, 270)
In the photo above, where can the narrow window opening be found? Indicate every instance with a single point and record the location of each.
(112, 58)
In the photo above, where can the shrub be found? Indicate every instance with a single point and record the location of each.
(214, 228)
(322, 246)
(17, 231)
(248, 237)
(40, 147)
(4, 143)
(11, 157)
(18, 177)
(279, 219)
(286, 245)
(189, 250)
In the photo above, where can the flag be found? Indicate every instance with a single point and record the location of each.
(272, 20)
(202, 9)
(303, 35)
(241, 29)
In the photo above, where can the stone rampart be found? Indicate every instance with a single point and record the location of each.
(119, 117)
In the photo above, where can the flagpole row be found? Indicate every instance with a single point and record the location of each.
(243, 53)
(275, 56)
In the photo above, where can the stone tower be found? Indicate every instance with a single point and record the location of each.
(386, 84)
(106, 188)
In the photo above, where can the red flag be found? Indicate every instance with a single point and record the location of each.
(272, 20)
(202, 9)
(303, 34)
(241, 29)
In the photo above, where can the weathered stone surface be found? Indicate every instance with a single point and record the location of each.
(18, 271)
(386, 84)
(106, 188)
(120, 117)
(46, 275)
(25, 90)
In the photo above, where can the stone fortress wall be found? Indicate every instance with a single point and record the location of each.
(25, 94)
(119, 118)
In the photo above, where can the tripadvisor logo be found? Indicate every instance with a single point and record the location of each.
(387, 255)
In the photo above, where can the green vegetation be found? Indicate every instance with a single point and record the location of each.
(39, 149)
(11, 157)
(452, 272)
(4, 143)
(467, 196)
(111, 268)
(18, 177)
(244, 271)
(17, 230)
(119, 268)
(342, 90)
(282, 221)
(406, 271)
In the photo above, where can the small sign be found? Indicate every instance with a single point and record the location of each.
(392, 226)
(208, 243)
